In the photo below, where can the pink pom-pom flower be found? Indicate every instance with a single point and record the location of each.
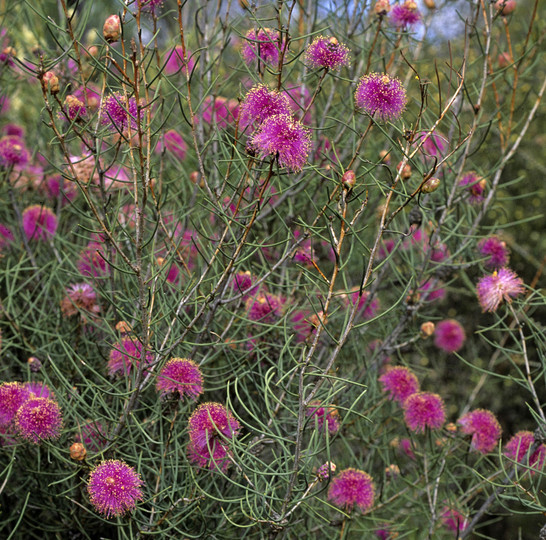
(484, 428)
(39, 418)
(283, 137)
(422, 410)
(39, 222)
(502, 285)
(399, 382)
(352, 487)
(327, 52)
(182, 377)
(209, 426)
(381, 96)
(449, 335)
(114, 488)
(12, 396)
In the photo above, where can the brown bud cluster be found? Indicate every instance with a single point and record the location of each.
(112, 29)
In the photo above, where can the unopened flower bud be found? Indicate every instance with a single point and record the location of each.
(431, 185)
(384, 156)
(195, 178)
(410, 5)
(112, 29)
(34, 364)
(123, 327)
(160, 261)
(504, 60)
(431, 4)
(93, 51)
(349, 180)
(78, 451)
(326, 470)
(382, 7)
(392, 471)
(405, 173)
(451, 427)
(50, 81)
(505, 7)
(427, 329)
(9, 52)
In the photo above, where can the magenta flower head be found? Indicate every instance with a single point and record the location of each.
(265, 308)
(283, 136)
(454, 520)
(422, 410)
(13, 151)
(12, 396)
(405, 15)
(175, 61)
(324, 416)
(475, 186)
(449, 335)
(118, 113)
(220, 111)
(400, 382)
(305, 324)
(38, 389)
(518, 447)
(263, 45)
(182, 377)
(79, 296)
(92, 260)
(366, 309)
(150, 6)
(125, 355)
(174, 144)
(350, 487)
(434, 146)
(74, 108)
(502, 285)
(243, 283)
(327, 53)
(209, 426)
(496, 252)
(114, 488)
(261, 103)
(381, 96)
(39, 222)
(39, 418)
(484, 428)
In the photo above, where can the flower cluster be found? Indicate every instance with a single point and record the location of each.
(424, 410)
(381, 96)
(484, 428)
(324, 416)
(126, 355)
(352, 487)
(399, 382)
(182, 377)
(502, 285)
(29, 412)
(262, 45)
(211, 426)
(327, 53)
(114, 488)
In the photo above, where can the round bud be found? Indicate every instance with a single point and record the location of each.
(431, 4)
(349, 179)
(34, 364)
(78, 451)
(112, 29)
(123, 327)
(405, 173)
(392, 471)
(410, 4)
(160, 261)
(50, 81)
(382, 7)
(451, 427)
(427, 329)
(505, 7)
(326, 470)
(503, 60)
(384, 156)
(431, 185)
